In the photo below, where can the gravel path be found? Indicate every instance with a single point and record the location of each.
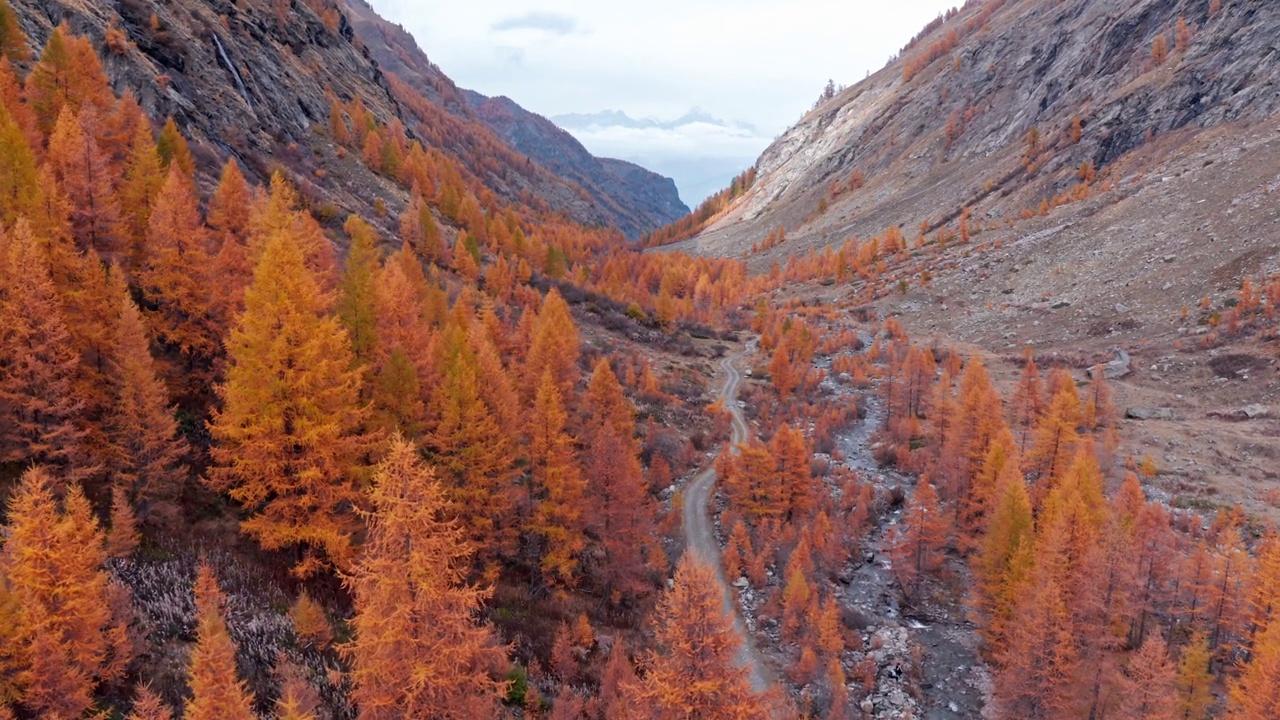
(700, 535)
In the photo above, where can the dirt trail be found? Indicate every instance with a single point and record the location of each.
(700, 535)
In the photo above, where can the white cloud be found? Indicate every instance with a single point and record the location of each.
(553, 23)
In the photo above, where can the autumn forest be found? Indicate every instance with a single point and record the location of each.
(261, 456)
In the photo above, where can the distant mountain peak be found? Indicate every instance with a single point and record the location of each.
(620, 119)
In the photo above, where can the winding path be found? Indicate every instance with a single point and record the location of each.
(700, 535)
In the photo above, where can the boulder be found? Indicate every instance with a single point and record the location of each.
(1255, 411)
(1119, 366)
(1145, 413)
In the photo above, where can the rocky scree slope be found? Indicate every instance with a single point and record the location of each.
(945, 126)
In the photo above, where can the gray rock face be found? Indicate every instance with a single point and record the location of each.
(1119, 366)
(1253, 412)
(1146, 413)
(953, 134)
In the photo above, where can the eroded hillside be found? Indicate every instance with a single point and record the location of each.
(1075, 176)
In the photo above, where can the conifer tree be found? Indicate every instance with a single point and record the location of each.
(1255, 695)
(607, 405)
(1194, 682)
(418, 650)
(403, 319)
(83, 173)
(791, 454)
(397, 397)
(228, 220)
(147, 457)
(919, 541)
(13, 41)
(554, 349)
(557, 488)
(216, 691)
(68, 75)
(357, 301)
(19, 177)
(693, 672)
(142, 182)
(173, 150)
(1147, 684)
(148, 706)
(123, 536)
(298, 700)
(618, 683)
(475, 458)
(38, 365)
(622, 516)
(175, 286)
(1038, 658)
(1056, 435)
(67, 639)
(288, 445)
(11, 96)
(1005, 559)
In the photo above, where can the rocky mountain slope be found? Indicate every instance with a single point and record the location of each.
(946, 125)
(636, 197)
(1118, 163)
(254, 79)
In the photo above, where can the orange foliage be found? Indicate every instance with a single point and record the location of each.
(694, 671)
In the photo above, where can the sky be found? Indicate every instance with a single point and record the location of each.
(755, 63)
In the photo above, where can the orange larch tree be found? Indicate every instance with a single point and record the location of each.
(228, 221)
(694, 671)
(68, 75)
(67, 639)
(173, 150)
(84, 175)
(13, 41)
(357, 300)
(1055, 437)
(1194, 683)
(141, 184)
(289, 446)
(1037, 661)
(419, 649)
(475, 459)
(175, 285)
(791, 454)
(38, 365)
(1004, 559)
(918, 542)
(1027, 402)
(148, 706)
(622, 517)
(553, 350)
(216, 691)
(1147, 684)
(19, 177)
(556, 489)
(1256, 694)
(147, 454)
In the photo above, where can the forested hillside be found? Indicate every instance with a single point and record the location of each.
(317, 400)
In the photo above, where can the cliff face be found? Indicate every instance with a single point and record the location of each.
(946, 126)
(253, 79)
